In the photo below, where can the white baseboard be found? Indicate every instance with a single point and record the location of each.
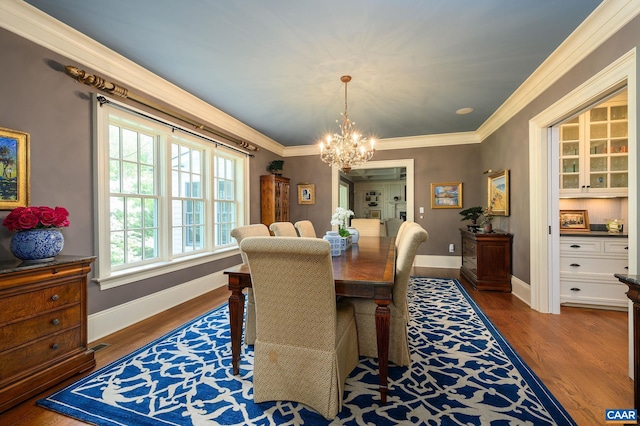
(451, 262)
(521, 290)
(111, 320)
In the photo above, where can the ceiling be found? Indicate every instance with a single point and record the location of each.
(276, 65)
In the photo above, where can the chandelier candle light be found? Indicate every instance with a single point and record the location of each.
(349, 148)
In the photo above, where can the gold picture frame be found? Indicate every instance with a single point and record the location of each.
(498, 193)
(306, 193)
(574, 221)
(14, 169)
(447, 195)
(375, 214)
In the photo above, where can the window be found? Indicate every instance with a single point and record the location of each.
(165, 197)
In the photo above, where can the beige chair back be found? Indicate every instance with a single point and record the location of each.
(401, 230)
(367, 227)
(412, 237)
(306, 343)
(242, 232)
(305, 229)
(283, 229)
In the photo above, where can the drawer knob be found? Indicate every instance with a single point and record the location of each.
(626, 267)
(55, 321)
(54, 346)
(574, 264)
(626, 248)
(575, 246)
(575, 289)
(55, 297)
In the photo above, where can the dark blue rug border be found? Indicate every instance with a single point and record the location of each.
(556, 410)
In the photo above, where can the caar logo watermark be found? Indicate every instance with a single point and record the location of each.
(619, 416)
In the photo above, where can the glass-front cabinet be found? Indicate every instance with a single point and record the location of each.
(594, 152)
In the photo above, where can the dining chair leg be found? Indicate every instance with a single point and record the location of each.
(383, 325)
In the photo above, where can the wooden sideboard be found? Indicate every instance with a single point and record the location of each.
(486, 260)
(43, 325)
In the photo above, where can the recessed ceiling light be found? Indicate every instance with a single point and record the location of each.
(463, 111)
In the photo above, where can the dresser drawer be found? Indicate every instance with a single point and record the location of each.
(621, 247)
(613, 294)
(582, 246)
(32, 303)
(593, 265)
(21, 332)
(40, 352)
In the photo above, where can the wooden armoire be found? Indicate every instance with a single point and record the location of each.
(274, 199)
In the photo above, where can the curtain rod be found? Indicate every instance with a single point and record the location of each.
(114, 89)
(102, 101)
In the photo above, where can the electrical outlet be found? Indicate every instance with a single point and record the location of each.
(452, 248)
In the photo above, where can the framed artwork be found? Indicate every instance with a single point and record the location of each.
(498, 193)
(306, 193)
(446, 195)
(375, 214)
(574, 220)
(14, 169)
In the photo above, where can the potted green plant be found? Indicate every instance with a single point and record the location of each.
(275, 167)
(472, 214)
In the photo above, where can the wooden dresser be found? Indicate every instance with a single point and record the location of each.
(486, 260)
(274, 199)
(43, 326)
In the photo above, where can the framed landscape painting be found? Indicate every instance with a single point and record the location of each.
(574, 220)
(14, 169)
(446, 195)
(498, 196)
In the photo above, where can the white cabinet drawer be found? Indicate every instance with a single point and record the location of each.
(574, 265)
(590, 293)
(621, 247)
(586, 245)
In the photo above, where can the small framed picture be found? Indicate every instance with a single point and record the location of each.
(14, 169)
(306, 193)
(498, 194)
(375, 214)
(446, 195)
(574, 221)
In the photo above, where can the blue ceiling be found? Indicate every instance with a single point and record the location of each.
(276, 65)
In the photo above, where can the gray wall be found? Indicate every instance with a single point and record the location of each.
(40, 99)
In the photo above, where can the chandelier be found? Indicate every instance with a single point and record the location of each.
(348, 148)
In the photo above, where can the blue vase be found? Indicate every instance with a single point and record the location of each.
(336, 242)
(37, 245)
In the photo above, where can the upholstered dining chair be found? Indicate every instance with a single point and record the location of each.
(283, 229)
(365, 308)
(401, 230)
(306, 343)
(240, 233)
(305, 228)
(367, 227)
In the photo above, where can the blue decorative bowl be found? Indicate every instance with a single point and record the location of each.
(37, 245)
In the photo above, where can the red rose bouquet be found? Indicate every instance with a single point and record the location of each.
(23, 218)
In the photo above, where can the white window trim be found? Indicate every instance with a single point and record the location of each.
(103, 275)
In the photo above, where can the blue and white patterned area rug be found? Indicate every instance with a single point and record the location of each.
(463, 372)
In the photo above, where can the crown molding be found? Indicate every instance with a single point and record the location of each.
(32, 24)
(606, 20)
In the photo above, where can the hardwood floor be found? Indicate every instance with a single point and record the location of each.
(580, 355)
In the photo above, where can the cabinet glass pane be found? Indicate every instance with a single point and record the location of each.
(619, 130)
(598, 164)
(570, 148)
(619, 112)
(598, 180)
(619, 163)
(618, 180)
(598, 147)
(569, 182)
(569, 133)
(599, 131)
(619, 146)
(570, 165)
(599, 114)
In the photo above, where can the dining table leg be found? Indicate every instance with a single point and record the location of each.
(383, 325)
(236, 315)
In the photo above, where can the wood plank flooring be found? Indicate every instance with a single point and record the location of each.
(580, 355)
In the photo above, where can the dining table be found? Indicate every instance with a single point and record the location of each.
(365, 269)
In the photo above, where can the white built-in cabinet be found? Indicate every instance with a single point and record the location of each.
(594, 152)
(388, 198)
(587, 265)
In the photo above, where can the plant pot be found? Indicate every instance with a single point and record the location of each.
(488, 227)
(37, 245)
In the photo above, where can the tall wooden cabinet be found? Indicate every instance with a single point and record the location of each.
(43, 326)
(274, 199)
(486, 260)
